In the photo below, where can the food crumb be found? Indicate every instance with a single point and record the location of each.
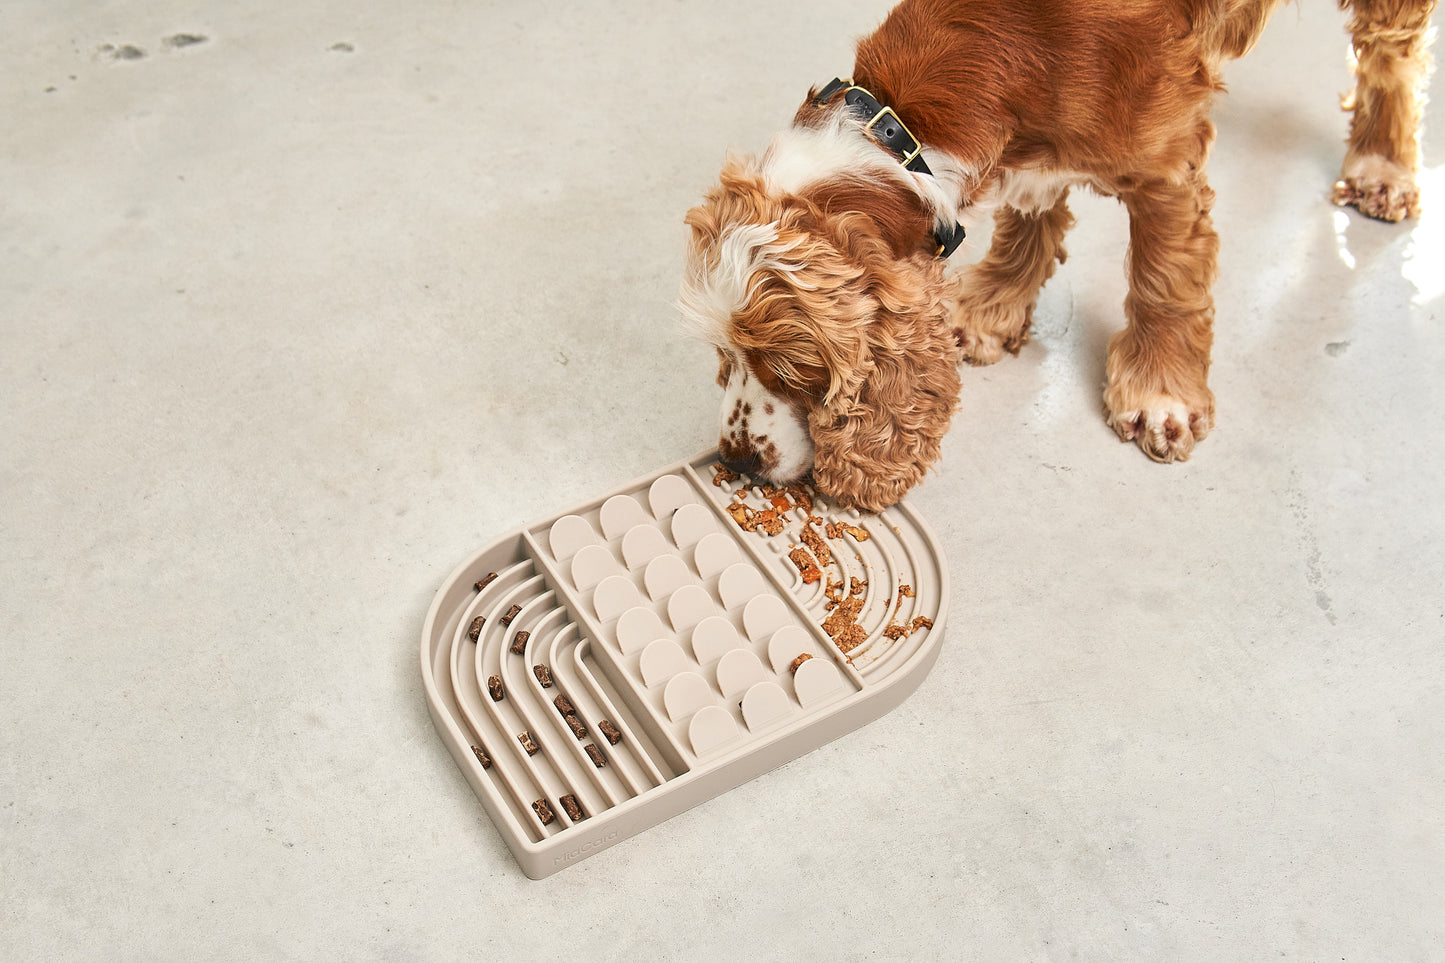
(804, 563)
(768, 520)
(895, 631)
(544, 811)
(842, 626)
(815, 542)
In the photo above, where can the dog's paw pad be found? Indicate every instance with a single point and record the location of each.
(982, 349)
(1378, 188)
(985, 330)
(1166, 429)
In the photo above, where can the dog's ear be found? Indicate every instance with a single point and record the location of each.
(876, 439)
(740, 197)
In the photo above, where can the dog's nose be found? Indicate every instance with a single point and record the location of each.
(743, 466)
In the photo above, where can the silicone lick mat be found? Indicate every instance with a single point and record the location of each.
(598, 672)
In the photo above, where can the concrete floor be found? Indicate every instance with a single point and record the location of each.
(297, 316)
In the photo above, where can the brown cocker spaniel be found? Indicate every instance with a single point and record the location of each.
(817, 267)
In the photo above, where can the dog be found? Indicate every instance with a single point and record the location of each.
(817, 268)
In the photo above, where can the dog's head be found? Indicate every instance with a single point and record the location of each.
(815, 278)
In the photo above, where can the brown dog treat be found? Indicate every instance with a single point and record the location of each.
(483, 583)
(528, 743)
(842, 626)
(572, 808)
(564, 705)
(482, 757)
(793, 666)
(494, 687)
(770, 522)
(804, 563)
(511, 614)
(844, 614)
(579, 729)
(543, 674)
(543, 811)
(741, 515)
(896, 631)
(856, 585)
(859, 534)
(519, 642)
(723, 475)
(475, 629)
(850, 638)
(815, 543)
(595, 754)
(610, 731)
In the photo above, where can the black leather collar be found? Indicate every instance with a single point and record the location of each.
(887, 130)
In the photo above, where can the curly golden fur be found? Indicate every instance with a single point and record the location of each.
(811, 266)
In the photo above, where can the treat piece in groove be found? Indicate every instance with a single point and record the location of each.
(896, 631)
(528, 743)
(579, 729)
(572, 808)
(543, 674)
(804, 563)
(474, 631)
(482, 757)
(814, 541)
(595, 754)
(793, 666)
(610, 731)
(512, 613)
(519, 642)
(839, 529)
(483, 583)
(543, 811)
(494, 687)
(564, 705)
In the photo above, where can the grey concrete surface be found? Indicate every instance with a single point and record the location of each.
(296, 316)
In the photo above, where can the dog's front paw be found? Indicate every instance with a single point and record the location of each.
(1165, 427)
(984, 332)
(1378, 187)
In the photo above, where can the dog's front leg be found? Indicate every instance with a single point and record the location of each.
(992, 302)
(1392, 58)
(1158, 367)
